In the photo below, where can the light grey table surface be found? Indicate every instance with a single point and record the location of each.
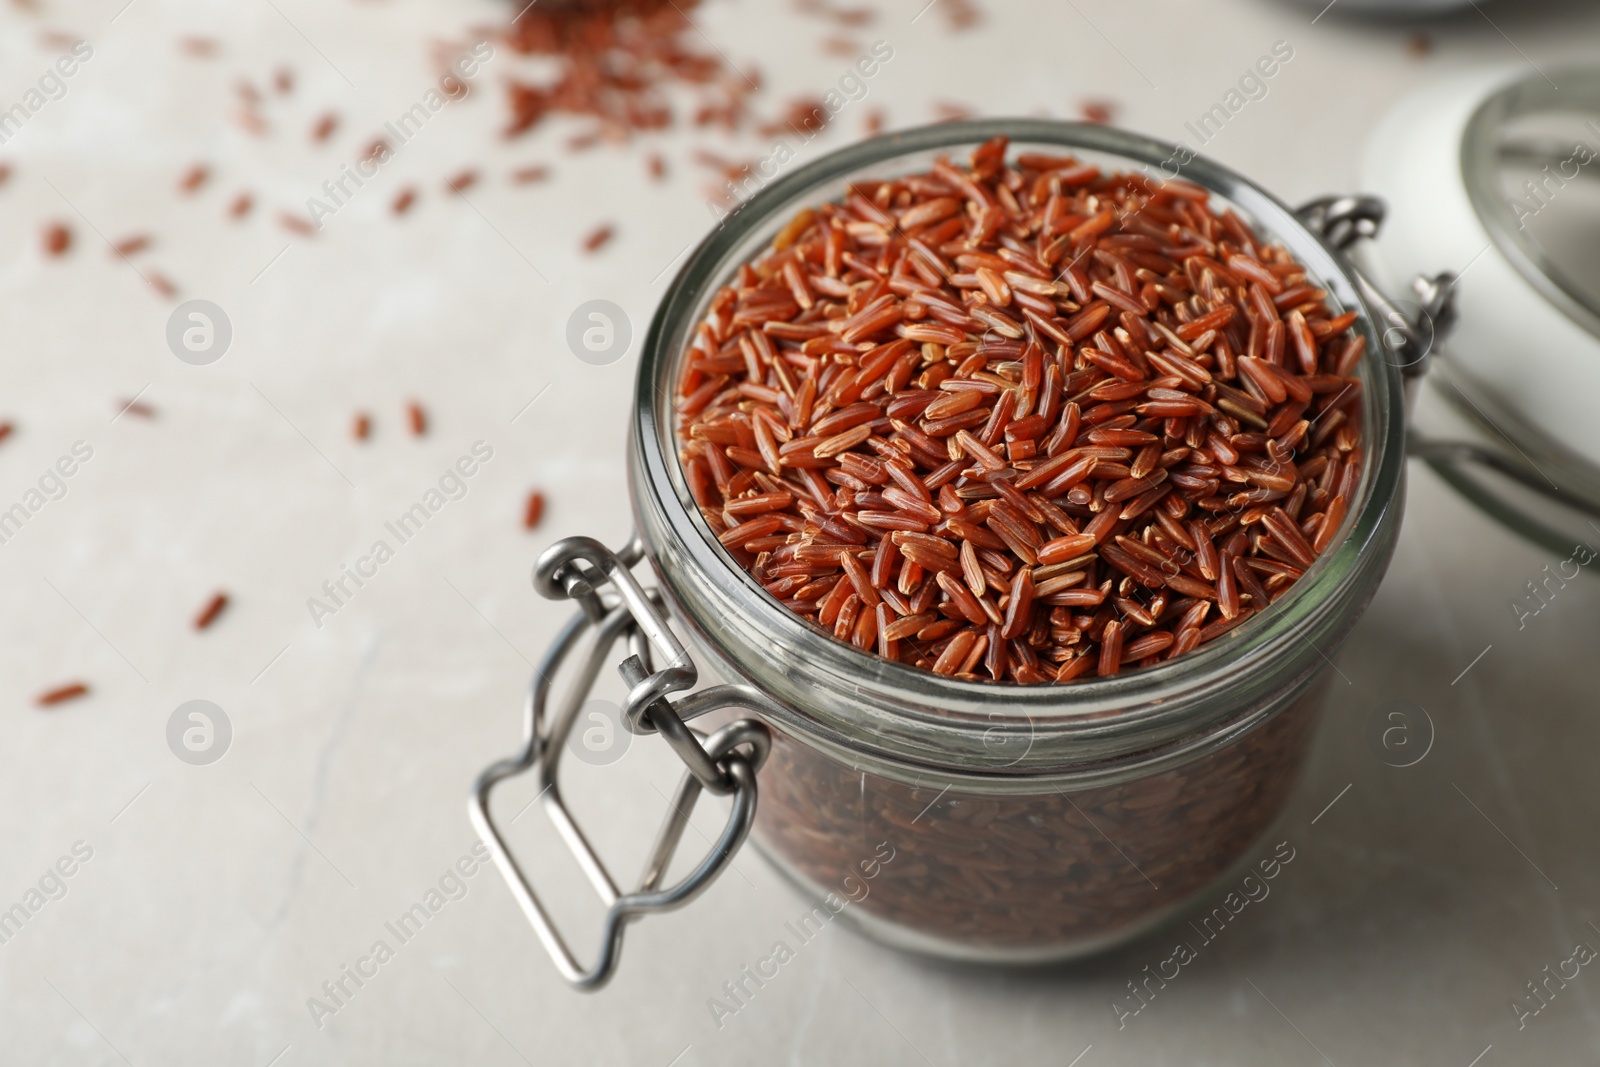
(216, 900)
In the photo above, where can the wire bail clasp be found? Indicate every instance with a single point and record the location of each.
(1409, 335)
(614, 605)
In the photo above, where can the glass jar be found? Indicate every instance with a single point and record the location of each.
(976, 820)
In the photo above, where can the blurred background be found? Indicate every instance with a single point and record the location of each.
(272, 272)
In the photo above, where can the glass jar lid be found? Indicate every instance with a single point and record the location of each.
(1530, 158)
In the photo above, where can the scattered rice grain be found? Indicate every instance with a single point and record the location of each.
(194, 178)
(208, 614)
(62, 694)
(131, 245)
(57, 239)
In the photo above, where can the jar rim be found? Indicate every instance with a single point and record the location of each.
(886, 711)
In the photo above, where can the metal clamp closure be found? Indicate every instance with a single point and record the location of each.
(1411, 333)
(614, 605)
